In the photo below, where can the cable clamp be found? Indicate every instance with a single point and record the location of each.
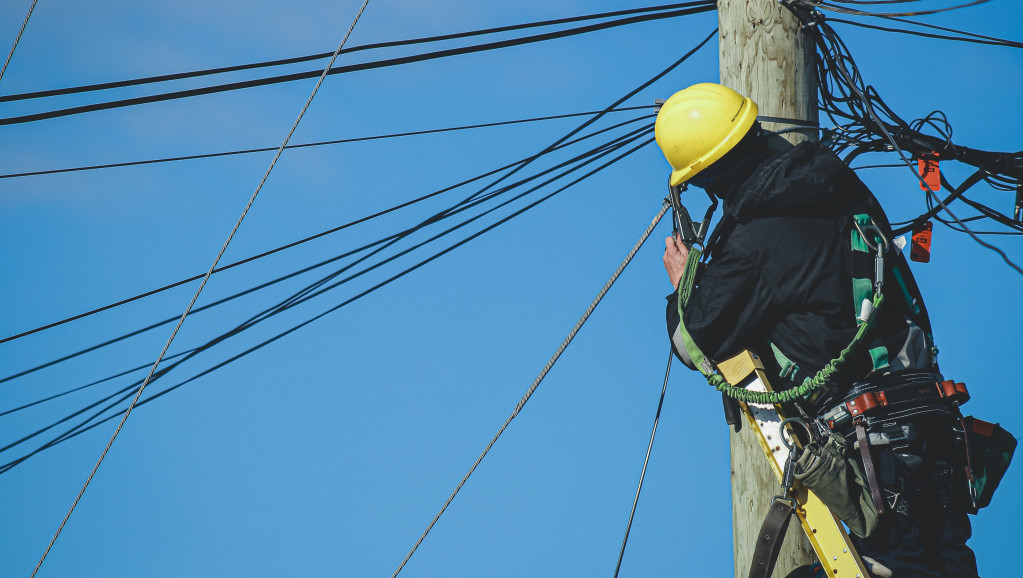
(815, 18)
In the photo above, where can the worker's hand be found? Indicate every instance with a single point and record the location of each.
(675, 254)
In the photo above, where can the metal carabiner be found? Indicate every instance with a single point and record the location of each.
(788, 474)
(682, 222)
(786, 441)
(863, 235)
(879, 249)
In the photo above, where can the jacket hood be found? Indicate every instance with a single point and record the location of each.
(803, 177)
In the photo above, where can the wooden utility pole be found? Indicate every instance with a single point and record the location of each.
(765, 56)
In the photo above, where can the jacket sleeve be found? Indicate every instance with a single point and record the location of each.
(727, 310)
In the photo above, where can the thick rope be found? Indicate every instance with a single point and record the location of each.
(195, 297)
(646, 461)
(17, 39)
(536, 382)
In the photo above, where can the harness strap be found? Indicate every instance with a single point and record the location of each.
(770, 538)
(863, 288)
(685, 290)
(868, 467)
(808, 384)
(707, 368)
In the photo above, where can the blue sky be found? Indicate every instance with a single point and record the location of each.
(328, 452)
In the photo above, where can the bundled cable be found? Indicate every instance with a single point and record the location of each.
(656, 13)
(106, 407)
(864, 123)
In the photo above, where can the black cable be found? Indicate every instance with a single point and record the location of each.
(128, 391)
(991, 42)
(549, 148)
(704, 7)
(646, 461)
(955, 194)
(837, 70)
(936, 27)
(276, 250)
(319, 143)
(321, 55)
(88, 385)
(389, 240)
(874, 1)
(826, 6)
(989, 213)
(621, 100)
(671, 67)
(6, 467)
(884, 166)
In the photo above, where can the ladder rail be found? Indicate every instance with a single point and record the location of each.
(825, 532)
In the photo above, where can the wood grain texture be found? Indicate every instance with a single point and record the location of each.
(764, 55)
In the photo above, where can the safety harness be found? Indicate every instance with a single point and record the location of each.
(862, 287)
(809, 383)
(866, 238)
(876, 410)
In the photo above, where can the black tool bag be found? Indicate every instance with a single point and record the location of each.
(991, 449)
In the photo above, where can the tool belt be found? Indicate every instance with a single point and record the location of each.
(883, 411)
(897, 398)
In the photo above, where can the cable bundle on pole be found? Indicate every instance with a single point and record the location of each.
(864, 123)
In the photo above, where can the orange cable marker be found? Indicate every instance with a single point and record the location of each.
(930, 173)
(920, 250)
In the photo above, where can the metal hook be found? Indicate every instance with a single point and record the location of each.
(788, 443)
(871, 227)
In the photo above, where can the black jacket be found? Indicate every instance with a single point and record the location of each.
(781, 270)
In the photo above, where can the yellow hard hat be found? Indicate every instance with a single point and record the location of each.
(699, 124)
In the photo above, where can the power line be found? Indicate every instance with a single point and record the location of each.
(201, 286)
(564, 344)
(387, 242)
(549, 148)
(271, 252)
(826, 6)
(125, 392)
(313, 144)
(988, 40)
(17, 39)
(539, 378)
(73, 433)
(287, 303)
(297, 298)
(646, 461)
(629, 95)
(322, 55)
(838, 71)
(703, 7)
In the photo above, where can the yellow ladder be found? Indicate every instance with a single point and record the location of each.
(826, 533)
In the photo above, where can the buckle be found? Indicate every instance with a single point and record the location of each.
(953, 391)
(866, 402)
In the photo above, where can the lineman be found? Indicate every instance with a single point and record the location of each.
(792, 275)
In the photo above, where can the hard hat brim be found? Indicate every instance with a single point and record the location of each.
(744, 121)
